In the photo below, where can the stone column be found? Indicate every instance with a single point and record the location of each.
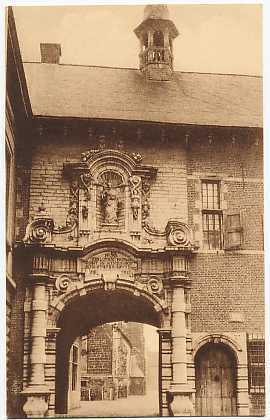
(37, 392)
(181, 391)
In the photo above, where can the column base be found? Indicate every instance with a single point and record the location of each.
(36, 404)
(181, 403)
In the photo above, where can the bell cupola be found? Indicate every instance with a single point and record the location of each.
(156, 34)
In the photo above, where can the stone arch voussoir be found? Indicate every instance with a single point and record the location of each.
(215, 338)
(59, 303)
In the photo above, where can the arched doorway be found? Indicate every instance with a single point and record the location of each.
(215, 376)
(83, 313)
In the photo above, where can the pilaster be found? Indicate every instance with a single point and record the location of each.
(36, 392)
(181, 391)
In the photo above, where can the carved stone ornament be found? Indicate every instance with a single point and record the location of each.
(178, 233)
(155, 285)
(146, 220)
(86, 182)
(73, 211)
(62, 283)
(135, 194)
(103, 177)
(40, 229)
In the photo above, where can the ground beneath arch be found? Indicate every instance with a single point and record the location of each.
(133, 406)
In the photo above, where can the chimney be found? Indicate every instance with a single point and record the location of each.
(50, 53)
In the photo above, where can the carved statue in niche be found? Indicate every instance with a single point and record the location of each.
(111, 202)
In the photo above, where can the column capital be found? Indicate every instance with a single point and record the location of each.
(38, 278)
(179, 280)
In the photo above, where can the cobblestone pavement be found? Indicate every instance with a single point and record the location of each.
(133, 406)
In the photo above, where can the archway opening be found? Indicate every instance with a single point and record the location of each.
(88, 324)
(215, 378)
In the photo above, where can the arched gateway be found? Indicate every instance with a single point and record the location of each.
(102, 267)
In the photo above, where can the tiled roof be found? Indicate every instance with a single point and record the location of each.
(116, 93)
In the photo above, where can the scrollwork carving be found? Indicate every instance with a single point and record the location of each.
(40, 229)
(86, 183)
(62, 283)
(146, 220)
(178, 233)
(135, 193)
(155, 285)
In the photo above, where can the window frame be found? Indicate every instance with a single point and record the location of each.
(258, 353)
(74, 361)
(213, 209)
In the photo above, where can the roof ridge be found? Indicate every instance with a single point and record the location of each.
(136, 69)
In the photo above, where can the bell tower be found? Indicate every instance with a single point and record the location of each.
(156, 34)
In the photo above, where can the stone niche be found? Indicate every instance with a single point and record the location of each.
(108, 196)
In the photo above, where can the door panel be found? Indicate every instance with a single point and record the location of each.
(215, 382)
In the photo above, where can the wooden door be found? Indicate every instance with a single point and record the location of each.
(215, 371)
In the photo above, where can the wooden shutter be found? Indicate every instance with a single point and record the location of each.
(233, 234)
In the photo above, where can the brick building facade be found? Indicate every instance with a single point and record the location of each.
(114, 365)
(141, 199)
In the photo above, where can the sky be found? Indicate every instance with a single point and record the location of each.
(213, 38)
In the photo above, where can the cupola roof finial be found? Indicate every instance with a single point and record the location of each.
(156, 11)
(156, 34)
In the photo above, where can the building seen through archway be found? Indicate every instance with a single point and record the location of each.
(113, 371)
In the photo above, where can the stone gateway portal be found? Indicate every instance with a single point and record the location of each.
(139, 199)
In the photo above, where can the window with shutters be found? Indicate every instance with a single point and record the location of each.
(233, 231)
(212, 215)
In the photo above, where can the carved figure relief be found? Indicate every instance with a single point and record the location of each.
(110, 197)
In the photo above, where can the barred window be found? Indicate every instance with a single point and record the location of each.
(256, 363)
(212, 216)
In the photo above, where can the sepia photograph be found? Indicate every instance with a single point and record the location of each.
(134, 211)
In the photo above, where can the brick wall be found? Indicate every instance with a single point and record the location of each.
(16, 342)
(222, 284)
(242, 158)
(100, 350)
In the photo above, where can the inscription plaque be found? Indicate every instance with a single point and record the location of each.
(110, 265)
